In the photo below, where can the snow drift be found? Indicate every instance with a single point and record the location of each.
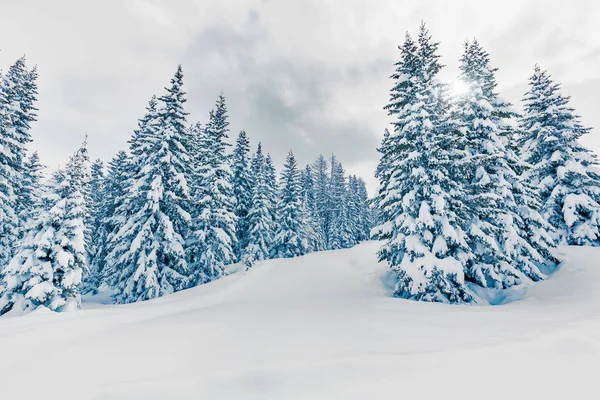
(322, 326)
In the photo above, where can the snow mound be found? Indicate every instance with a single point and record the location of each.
(321, 326)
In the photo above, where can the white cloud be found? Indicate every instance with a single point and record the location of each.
(310, 75)
(151, 11)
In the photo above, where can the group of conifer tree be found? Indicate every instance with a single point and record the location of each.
(471, 192)
(169, 214)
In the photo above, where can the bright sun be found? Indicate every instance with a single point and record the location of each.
(458, 88)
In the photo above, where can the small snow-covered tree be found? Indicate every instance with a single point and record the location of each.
(48, 268)
(241, 182)
(422, 205)
(288, 241)
(564, 171)
(147, 251)
(214, 237)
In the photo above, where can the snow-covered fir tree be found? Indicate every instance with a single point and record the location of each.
(96, 196)
(93, 222)
(341, 235)
(214, 238)
(272, 187)
(18, 94)
(419, 199)
(365, 211)
(241, 182)
(503, 209)
(32, 189)
(147, 257)
(114, 190)
(382, 166)
(261, 226)
(313, 229)
(323, 205)
(141, 139)
(48, 268)
(257, 164)
(564, 171)
(289, 240)
(354, 211)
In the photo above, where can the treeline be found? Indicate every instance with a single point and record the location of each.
(471, 191)
(170, 213)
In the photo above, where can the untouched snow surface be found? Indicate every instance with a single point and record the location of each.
(321, 326)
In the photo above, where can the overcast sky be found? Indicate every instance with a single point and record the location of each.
(309, 75)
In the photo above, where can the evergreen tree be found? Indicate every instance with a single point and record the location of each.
(314, 233)
(288, 241)
(258, 163)
(272, 188)
(420, 201)
(147, 251)
(18, 93)
(96, 195)
(141, 140)
(341, 236)
(563, 169)
(365, 211)
(114, 191)
(48, 268)
(322, 198)
(32, 190)
(261, 226)
(214, 218)
(93, 223)
(241, 182)
(382, 166)
(354, 210)
(504, 208)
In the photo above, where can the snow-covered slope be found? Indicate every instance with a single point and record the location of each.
(318, 327)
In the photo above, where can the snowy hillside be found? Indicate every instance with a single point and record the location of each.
(315, 327)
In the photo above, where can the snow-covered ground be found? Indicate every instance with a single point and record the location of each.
(318, 327)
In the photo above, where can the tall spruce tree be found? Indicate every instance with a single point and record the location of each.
(147, 257)
(563, 169)
(48, 268)
(18, 94)
(420, 201)
(241, 182)
(503, 208)
(288, 241)
(214, 237)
